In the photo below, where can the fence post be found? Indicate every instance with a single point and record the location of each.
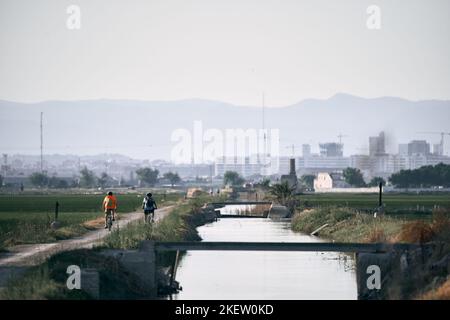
(56, 210)
(380, 197)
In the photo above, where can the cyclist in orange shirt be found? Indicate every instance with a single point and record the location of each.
(109, 207)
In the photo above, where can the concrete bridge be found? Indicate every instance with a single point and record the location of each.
(280, 246)
(390, 259)
(386, 256)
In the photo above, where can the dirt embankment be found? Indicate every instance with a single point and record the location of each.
(422, 274)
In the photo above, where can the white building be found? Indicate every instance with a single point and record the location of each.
(323, 181)
(326, 182)
(244, 167)
(248, 166)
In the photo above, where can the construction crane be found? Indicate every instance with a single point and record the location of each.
(340, 136)
(441, 144)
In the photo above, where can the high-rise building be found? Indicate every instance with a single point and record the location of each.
(418, 147)
(306, 150)
(377, 145)
(403, 149)
(244, 166)
(331, 149)
(437, 149)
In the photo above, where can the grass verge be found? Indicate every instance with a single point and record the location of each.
(425, 280)
(48, 280)
(179, 225)
(346, 224)
(26, 219)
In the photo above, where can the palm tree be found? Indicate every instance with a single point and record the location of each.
(282, 192)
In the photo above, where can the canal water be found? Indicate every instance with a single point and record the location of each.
(263, 275)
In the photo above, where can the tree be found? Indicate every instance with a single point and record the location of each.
(375, 182)
(423, 177)
(148, 175)
(284, 195)
(1, 181)
(308, 180)
(354, 177)
(281, 192)
(103, 180)
(172, 177)
(39, 179)
(232, 178)
(58, 183)
(88, 178)
(265, 184)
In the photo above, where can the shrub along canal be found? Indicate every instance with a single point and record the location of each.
(263, 275)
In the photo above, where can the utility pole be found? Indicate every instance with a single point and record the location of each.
(263, 111)
(5, 165)
(264, 127)
(264, 151)
(42, 144)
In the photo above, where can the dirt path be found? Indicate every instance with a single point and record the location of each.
(33, 254)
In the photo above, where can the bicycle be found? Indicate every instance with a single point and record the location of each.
(149, 217)
(109, 221)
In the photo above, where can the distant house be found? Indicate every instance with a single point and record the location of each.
(323, 181)
(226, 190)
(334, 182)
(194, 192)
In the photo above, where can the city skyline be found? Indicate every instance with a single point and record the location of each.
(78, 126)
(377, 162)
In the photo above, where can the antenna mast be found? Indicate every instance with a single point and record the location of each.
(42, 144)
(263, 113)
(264, 131)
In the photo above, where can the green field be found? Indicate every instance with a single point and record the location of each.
(26, 218)
(394, 202)
(48, 280)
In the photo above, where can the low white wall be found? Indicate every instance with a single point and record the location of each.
(347, 190)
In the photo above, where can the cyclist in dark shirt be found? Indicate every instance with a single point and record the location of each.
(149, 206)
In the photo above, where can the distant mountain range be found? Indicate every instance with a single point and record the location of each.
(142, 129)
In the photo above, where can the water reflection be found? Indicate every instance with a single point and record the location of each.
(263, 275)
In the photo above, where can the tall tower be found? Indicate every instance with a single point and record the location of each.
(264, 151)
(42, 143)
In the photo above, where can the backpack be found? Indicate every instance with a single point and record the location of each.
(149, 204)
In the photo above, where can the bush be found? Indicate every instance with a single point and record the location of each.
(416, 232)
(376, 235)
(309, 220)
(422, 232)
(442, 293)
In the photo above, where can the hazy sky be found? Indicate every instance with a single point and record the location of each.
(228, 50)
